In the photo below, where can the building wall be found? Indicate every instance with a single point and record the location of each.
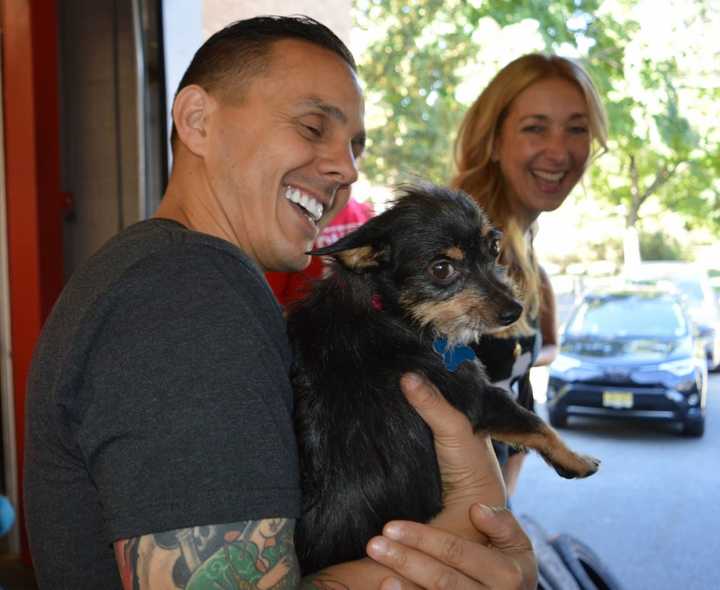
(335, 14)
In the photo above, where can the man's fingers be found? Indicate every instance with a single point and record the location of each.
(506, 535)
(500, 527)
(415, 566)
(434, 409)
(458, 563)
(468, 466)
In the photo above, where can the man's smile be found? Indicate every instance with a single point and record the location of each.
(313, 208)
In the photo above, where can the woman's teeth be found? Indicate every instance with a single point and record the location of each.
(312, 206)
(549, 176)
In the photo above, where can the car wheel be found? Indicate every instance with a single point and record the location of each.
(587, 568)
(694, 427)
(557, 417)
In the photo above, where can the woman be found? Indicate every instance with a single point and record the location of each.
(521, 148)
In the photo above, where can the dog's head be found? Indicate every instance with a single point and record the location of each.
(434, 256)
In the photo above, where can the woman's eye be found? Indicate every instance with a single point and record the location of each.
(533, 129)
(443, 271)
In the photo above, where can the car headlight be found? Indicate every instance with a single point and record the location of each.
(564, 363)
(678, 367)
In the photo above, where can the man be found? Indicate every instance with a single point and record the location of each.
(159, 438)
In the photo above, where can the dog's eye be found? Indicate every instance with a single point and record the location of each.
(443, 271)
(495, 247)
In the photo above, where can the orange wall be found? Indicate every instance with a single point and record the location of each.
(34, 202)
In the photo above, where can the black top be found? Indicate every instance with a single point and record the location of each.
(159, 398)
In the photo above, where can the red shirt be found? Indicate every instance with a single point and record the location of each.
(290, 286)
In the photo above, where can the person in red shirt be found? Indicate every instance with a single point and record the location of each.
(291, 286)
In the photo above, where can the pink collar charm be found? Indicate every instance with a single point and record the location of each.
(376, 302)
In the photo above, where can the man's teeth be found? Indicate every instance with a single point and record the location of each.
(311, 205)
(549, 176)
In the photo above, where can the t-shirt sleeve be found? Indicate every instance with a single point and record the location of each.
(188, 420)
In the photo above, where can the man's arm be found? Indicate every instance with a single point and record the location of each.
(250, 554)
(247, 555)
(258, 554)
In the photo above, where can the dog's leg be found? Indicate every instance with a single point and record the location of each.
(506, 421)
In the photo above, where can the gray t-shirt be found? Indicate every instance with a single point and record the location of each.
(158, 399)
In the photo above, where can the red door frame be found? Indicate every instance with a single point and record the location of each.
(32, 185)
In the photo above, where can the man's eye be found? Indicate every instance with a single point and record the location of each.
(315, 131)
(443, 271)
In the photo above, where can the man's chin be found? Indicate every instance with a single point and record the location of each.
(296, 264)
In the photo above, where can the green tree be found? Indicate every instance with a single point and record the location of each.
(415, 66)
(664, 120)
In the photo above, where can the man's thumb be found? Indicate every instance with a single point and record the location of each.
(498, 525)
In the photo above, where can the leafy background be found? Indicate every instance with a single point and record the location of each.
(656, 64)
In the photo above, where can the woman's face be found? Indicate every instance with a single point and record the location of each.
(543, 145)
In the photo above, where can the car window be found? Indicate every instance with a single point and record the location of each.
(691, 289)
(628, 316)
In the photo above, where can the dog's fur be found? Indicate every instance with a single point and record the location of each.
(424, 268)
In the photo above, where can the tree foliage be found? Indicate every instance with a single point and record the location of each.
(661, 150)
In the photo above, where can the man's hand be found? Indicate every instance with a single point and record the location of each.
(468, 466)
(474, 542)
(431, 558)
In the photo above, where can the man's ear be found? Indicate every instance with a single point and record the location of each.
(190, 111)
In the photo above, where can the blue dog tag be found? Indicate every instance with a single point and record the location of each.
(455, 356)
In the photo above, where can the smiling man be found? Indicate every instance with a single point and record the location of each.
(266, 165)
(160, 451)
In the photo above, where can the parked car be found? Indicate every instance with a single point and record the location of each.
(630, 352)
(693, 282)
(715, 284)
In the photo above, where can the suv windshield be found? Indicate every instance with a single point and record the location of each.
(692, 289)
(628, 315)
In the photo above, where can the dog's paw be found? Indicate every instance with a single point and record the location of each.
(577, 467)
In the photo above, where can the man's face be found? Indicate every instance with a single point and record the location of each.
(281, 160)
(544, 144)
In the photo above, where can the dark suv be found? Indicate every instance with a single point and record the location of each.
(630, 352)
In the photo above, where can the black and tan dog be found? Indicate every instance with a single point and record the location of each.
(408, 291)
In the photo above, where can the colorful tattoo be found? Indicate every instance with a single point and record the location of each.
(257, 555)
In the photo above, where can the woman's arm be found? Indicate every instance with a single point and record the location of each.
(548, 322)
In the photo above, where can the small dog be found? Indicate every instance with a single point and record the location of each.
(407, 292)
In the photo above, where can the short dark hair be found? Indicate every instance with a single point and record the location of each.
(240, 51)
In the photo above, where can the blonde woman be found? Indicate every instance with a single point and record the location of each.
(521, 148)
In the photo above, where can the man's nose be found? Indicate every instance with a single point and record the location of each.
(340, 162)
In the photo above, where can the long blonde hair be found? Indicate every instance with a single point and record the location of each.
(480, 177)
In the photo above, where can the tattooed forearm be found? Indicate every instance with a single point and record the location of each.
(322, 581)
(258, 555)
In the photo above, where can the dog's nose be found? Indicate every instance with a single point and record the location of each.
(511, 314)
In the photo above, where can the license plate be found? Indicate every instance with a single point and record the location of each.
(618, 399)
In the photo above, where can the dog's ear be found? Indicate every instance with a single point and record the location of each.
(362, 249)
